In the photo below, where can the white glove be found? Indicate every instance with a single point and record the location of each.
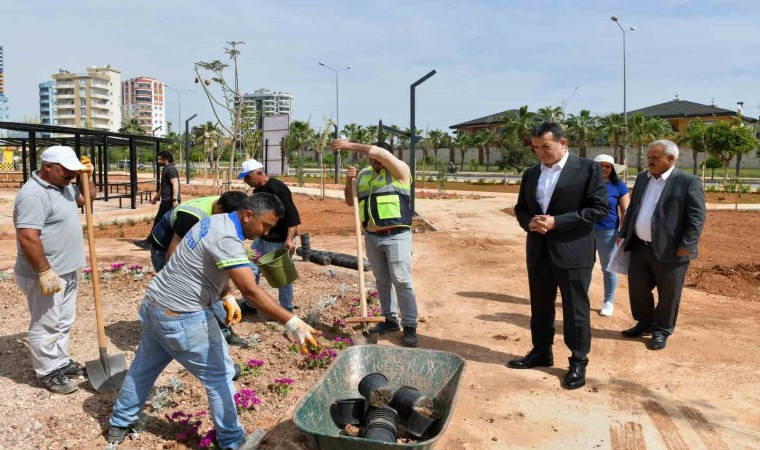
(49, 282)
(233, 310)
(300, 332)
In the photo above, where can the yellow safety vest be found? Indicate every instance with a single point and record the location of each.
(386, 200)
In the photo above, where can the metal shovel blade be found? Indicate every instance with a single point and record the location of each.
(364, 338)
(107, 373)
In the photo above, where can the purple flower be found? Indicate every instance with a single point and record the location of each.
(254, 363)
(87, 271)
(208, 439)
(287, 381)
(247, 399)
(117, 266)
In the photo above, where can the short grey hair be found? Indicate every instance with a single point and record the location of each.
(261, 203)
(669, 147)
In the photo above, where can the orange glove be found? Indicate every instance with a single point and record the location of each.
(300, 332)
(232, 309)
(88, 165)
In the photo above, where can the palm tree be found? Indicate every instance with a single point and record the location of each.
(299, 136)
(463, 141)
(644, 130)
(582, 126)
(131, 126)
(484, 139)
(436, 137)
(519, 125)
(448, 141)
(551, 114)
(350, 131)
(372, 130)
(207, 135)
(613, 125)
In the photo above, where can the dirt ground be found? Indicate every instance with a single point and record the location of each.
(700, 392)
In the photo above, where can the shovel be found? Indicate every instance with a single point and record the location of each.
(106, 373)
(366, 337)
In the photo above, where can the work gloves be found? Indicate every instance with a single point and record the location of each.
(87, 164)
(232, 309)
(300, 332)
(49, 282)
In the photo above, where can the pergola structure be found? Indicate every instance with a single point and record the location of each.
(98, 142)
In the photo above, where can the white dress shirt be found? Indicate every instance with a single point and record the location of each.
(643, 226)
(547, 181)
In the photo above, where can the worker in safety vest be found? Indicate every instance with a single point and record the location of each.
(386, 216)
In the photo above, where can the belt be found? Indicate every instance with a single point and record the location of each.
(388, 232)
(647, 243)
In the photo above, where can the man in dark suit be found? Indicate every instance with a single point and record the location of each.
(661, 230)
(559, 201)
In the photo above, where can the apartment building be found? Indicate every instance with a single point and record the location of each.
(91, 99)
(142, 98)
(268, 103)
(4, 113)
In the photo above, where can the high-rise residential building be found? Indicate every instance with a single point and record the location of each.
(47, 103)
(4, 114)
(142, 98)
(2, 75)
(91, 99)
(268, 103)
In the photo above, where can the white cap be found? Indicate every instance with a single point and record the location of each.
(64, 156)
(248, 167)
(609, 160)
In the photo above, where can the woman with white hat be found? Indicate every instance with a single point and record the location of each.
(606, 230)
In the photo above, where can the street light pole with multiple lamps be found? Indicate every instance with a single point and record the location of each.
(625, 109)
(337, 113)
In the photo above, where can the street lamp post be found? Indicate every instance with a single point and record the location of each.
(413, 131)
(187, 148)
(337, 114)
(179, 118)
(625, 109)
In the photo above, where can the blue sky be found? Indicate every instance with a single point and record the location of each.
(490, 55)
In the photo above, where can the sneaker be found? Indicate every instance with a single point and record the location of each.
(234, 339)
(143, 244)
(410, 338)
(389, 326)
(116, 435)
(607, 309)
(73, 370)
(57, 383)
(245, 308)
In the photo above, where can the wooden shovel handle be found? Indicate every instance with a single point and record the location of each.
(93, 260)
(359, 250)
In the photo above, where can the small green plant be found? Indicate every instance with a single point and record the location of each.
(312, 318)
(474, 165)
(253, 340)
(161, 398)
(282, 386)
(272, 326)
(4, 275)
(131, 221)
(252, 368)
(321, 359)
(481, 181)
(342, 343)
(176, 385)
(101, 225)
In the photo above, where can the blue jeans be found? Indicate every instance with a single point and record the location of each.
(193, 340)
(391, 261)
(286, 292)
(158, 258)
(605, 244)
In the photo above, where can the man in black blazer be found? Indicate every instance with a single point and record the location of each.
(661, 230)
(559, 201)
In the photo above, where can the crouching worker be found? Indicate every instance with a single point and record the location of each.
(178, 321)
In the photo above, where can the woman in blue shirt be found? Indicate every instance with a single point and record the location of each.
(606, 230)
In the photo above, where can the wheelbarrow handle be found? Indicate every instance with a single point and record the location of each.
(93, 264)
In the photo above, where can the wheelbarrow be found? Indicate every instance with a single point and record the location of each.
(435, 373)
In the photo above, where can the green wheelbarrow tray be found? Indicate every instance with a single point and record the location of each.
(434, 373)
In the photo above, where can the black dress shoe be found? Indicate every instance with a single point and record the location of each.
(531, 360)
(575, 377)
(657, 342)
(639, 330)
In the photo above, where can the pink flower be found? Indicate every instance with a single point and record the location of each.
(287, 381)
(208, 439)
(254, 363)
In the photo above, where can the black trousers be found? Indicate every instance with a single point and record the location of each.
(646, 273)
(544, 280)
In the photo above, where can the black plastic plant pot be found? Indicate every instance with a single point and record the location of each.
(420, 421)
(381, 432)
(406, 398)
(347, 411)
(385, 414)
(374, 387)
